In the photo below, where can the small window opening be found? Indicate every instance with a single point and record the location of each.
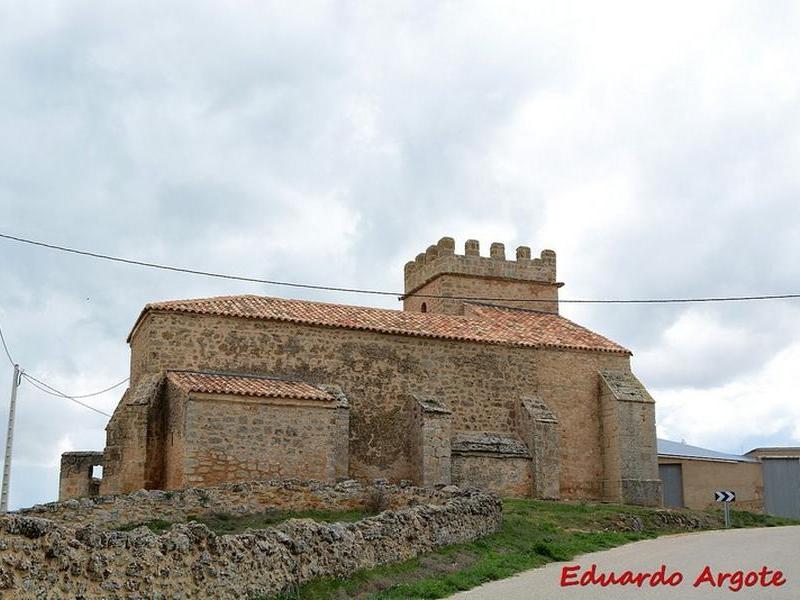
(97, 471)
(424, 307)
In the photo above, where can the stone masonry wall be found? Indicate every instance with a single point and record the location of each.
(629, 438)
(439, 271)
(42, 559)
(495, 462)
(538, 428)
(75, 479)
(503, 292)
(442, 258)
(176, 401)
(481, 384)
(429, 438)
(231, 439)
(132, 456)
(509, 476)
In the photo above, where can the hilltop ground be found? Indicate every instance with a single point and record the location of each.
(533, 534)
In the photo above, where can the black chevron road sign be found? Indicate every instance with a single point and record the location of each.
(724, 496)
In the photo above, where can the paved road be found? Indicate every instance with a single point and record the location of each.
(727, 551)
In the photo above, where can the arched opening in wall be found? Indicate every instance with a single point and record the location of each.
(424, 307)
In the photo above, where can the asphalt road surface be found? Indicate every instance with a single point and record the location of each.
(743, 550)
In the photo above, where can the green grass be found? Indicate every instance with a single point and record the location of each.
(224, 523)
(533, 533)
(156, 526)
(740, 518)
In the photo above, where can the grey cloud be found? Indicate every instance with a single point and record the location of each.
(333, 143)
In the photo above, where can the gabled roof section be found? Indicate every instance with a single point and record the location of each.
(206, 382)
(680, 450)
(487, 324)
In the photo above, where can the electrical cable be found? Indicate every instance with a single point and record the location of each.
(41, 385)
(330, 288)
(103, 391)
(48, 389)
(5, 347)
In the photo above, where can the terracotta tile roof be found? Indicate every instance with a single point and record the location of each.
(245, 385)
(546, 328)
(485, 323)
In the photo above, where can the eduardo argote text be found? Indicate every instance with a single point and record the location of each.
(706, 577)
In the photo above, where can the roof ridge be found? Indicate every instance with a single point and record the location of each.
(526, 328)
(691, 451)
(241, 375)
(512, 308)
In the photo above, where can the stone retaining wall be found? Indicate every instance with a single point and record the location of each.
(234, 499)
(40, 558)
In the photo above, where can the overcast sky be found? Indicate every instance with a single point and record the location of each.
(653, 146)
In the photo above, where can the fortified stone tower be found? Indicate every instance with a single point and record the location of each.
(522, 283)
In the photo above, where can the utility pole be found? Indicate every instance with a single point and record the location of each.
(9, 440)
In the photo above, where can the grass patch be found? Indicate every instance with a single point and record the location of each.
(224, 523)
(533, 533)
(156, 526)
(741, 518)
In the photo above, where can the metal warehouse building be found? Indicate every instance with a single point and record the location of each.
(764, 479)
(690, 475)
(781, 473)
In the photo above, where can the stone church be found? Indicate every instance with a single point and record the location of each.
(477, 382)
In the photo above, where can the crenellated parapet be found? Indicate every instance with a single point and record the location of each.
(441, 258)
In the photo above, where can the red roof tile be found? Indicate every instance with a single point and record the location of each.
(484, 323)
(245, 385)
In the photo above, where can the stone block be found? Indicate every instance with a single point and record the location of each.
(537, 425)
(429, 440)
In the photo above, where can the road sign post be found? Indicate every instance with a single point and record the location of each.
(726, 496)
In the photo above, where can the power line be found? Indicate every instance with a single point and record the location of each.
(48, 389)
(349, 290)
(5, 347)
(141, 263)
(103, 391)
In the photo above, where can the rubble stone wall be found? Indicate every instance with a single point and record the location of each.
(45, 559)
(233, 498)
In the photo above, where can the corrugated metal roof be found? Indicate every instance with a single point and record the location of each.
(788, 449)
(677, 449)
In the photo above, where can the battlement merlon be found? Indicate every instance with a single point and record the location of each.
(440, 259)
